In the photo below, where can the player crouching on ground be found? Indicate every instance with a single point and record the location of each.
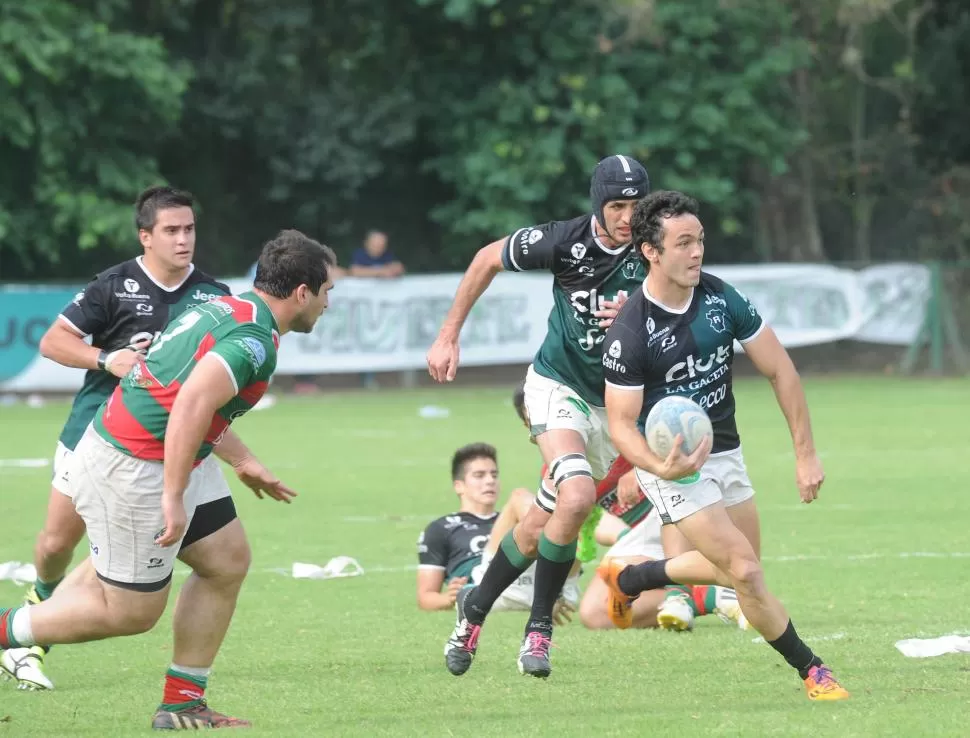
(454, 550)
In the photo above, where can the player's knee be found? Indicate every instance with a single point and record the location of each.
(593, 614)
(747, 574)
(236, 559)
(576, 500)
(135, 621)
(54, 543)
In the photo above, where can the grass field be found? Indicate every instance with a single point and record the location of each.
(883, 555)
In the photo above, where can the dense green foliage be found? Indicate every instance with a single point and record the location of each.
(833, 130)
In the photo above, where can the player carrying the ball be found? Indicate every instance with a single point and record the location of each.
(593, 270)
(675, 337)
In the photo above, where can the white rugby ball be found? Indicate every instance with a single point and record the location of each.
(673, 415)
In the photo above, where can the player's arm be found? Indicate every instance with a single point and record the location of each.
(208, 388)
(443, 355)
(430, 596)
(772, 360)
(249, 469)
(525, 249)
(432, 562)
(88, 313)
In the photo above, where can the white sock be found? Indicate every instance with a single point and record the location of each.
(194, 671)
(20, 627)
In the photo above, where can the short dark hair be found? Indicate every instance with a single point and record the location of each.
(158, 198)
(292, 259)
(466, 454)
(647, 223)
(518, 399)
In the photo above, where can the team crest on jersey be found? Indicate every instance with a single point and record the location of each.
(578, 251)
(631, 269)
(256, 351)
(716, 319)
(131, 285)
(651, 326)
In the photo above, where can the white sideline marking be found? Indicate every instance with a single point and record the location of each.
(24, 463)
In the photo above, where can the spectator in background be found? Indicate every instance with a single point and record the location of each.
(374, 259)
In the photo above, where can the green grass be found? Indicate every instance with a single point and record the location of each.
(356, 657)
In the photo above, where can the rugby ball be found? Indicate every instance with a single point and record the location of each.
(673, 415)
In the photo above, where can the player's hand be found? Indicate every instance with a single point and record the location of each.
(262, 481)
(809, 476)
(611, 308)
(628, 489)
(451, 592)
(677, 465)
(562, 612)
(173, 510)
(120, 362)
(443, 359)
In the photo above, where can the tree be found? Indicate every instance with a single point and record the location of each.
(83, 108)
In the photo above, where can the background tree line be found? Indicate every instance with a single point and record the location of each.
(830, 130)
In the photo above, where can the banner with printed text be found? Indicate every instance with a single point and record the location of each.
(388, 325)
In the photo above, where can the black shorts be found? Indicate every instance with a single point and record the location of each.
(209, 518)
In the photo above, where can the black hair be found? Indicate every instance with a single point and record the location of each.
(647, 225)
(158, 198)
(292, 259)
(467, 454)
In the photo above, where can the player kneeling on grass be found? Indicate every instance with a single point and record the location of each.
(454, 550)
(675, 336)
(144, 463)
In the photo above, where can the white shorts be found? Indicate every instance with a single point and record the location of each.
(722, 478)
(518, 595)
(552, 405)
(120, 499)
(642, 541)
(62, 464)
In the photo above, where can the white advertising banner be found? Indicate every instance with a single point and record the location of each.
(388, 325)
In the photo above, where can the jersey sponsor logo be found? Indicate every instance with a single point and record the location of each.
(205, 296)
(143, 336)
(527, 237)
(716, 319)
(255, 349)
(630, 191)
(578, 250)
(131, 285)
(144, 308)
(651, 326)
(668, 343)
(710, 399)
(715, 300)
(535, 236)
(658, 335)
(422, 546)
(613, 365)
(615, 349)
(699, 365)
(477, 544)
(587, 271)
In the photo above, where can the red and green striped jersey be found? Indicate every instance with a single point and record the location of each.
(241, 331)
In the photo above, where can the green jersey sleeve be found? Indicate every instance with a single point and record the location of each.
(248, 353)
(746, 320)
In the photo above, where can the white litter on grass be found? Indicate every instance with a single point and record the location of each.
(35, 401)
(17, 572)
(24, 463)
(433, 412)
(922, 648)
(337, 568)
